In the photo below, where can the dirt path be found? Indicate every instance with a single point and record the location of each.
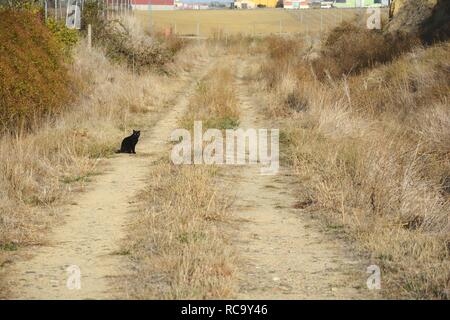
(285, 255)
(94, 225)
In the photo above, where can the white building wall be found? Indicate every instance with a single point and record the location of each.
(250, 4)
(153, 7)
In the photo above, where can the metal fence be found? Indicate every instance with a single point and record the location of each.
(56, 9)
(191, 23)
(61, 9)
(252, 22)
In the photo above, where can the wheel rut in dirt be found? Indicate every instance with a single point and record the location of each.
(285, 255)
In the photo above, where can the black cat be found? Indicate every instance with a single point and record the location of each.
(129, 143)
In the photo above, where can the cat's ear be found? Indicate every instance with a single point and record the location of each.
(134, 131)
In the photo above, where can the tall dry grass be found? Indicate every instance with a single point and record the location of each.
(351, 48)
(214, 101)
(372, 154)
(176, 241)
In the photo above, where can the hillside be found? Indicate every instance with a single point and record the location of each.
(428, 19)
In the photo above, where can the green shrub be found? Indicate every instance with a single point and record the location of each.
(33, 79)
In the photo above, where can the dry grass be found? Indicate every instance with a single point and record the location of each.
(176, 239)
(374, 185)
(372, 155)
(403, 87)
(214, 101)
(279, 72)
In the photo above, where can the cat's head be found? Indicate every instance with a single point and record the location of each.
(136, 133)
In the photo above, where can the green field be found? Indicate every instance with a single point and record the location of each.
(248, 22)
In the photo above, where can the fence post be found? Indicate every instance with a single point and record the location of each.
(150, 16)
(89, 36)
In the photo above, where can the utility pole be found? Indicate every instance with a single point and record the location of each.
(321, 20)
(150, 15)
(89, 36)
